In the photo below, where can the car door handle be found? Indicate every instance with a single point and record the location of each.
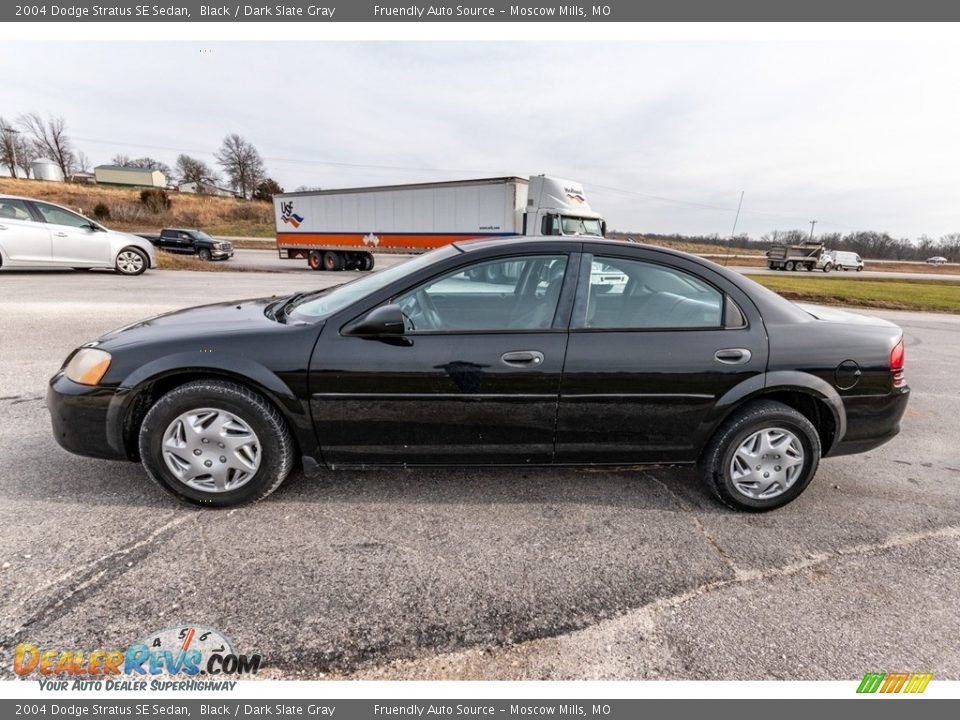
(733, 356)
(60, 234)
(523, 358)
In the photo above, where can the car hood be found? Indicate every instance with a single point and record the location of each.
(203, 321)
(836, 315)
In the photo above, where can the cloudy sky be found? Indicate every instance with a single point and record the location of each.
(664, 136)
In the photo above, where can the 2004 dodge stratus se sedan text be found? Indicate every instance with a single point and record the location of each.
(497, 352)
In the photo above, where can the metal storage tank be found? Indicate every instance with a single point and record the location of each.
(44, 169)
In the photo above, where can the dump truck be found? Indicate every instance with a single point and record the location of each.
(342, 229)
(805, 256)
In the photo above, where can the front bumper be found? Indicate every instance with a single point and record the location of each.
(872, 420)
(87, 420)
(221, 254)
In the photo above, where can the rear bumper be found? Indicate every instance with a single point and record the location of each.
(86, 420)
(872, 420)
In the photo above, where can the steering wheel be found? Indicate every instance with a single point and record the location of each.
(419, 312)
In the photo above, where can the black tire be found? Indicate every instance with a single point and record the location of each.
(276, 442)
(332, 261)
(367, 262)
(315, 260)
(860, 269)
(789, 266)
(718, 455)
(123, 267)
(827, 268)
(204, 254)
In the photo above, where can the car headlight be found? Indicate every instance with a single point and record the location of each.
(88, 366)
(218, 246)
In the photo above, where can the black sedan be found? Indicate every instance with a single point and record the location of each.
(525, 351)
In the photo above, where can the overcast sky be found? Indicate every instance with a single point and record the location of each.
(663, 136)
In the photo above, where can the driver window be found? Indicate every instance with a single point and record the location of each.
(518, 293)
(59, 216)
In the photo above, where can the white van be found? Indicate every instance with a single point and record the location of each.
(846, 260)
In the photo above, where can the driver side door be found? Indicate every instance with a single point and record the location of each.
(474, 379)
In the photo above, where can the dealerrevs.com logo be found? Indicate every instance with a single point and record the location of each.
(899, 682)
(184, 652)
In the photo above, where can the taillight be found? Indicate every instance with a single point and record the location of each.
(896, 365)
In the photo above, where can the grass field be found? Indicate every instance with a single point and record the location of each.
(216, 215)
(893, 294)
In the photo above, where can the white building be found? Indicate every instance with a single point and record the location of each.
(131, 176)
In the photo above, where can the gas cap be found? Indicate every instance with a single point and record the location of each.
(848, 374)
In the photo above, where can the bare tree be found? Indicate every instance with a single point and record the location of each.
(242, 164)
(121, 160)
(191, 170)
(50, 138)
(82, 163)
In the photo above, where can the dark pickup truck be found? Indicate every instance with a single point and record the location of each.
(187, 241)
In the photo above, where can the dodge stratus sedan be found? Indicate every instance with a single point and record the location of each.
(430, 363)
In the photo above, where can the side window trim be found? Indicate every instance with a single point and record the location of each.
(35, 212)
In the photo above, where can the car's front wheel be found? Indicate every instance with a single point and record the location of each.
(762, 457)
(216, 443)
(131, 261)
(204, 254)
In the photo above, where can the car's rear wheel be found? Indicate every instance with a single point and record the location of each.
(762, 457)
(216, 443)
(131, 261)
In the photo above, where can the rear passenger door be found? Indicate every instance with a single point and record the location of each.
(655, 341)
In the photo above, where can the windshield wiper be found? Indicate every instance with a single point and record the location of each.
(282, 310)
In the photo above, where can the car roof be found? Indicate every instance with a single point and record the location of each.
(572, 241)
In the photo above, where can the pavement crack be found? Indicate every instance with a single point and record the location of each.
(691, 511)
(59, 596)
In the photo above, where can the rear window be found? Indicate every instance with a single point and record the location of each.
(13, 209)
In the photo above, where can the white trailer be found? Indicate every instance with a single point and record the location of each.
(341, 229)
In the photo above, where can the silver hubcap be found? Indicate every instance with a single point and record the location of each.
(767, 463)
(129, 261)
(211, 450)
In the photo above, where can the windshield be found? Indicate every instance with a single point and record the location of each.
(580, 226)
(340, 296)
(201, 235)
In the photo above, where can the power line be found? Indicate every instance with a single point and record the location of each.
(403, 168)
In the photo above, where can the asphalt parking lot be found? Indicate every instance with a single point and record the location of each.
(475, 573)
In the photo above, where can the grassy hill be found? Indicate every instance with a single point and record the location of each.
(216, 215)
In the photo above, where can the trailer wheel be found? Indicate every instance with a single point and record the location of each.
(789, 266)
(771, 266)
(332, 261)
(367, 263)
(314, 260)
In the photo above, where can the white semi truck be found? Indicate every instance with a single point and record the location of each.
(342, 229)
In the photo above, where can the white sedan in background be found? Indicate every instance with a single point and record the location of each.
(38, 234)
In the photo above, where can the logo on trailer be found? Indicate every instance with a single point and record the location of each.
(371, 239)
(288, 215)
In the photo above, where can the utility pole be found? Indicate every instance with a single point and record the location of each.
(13, 148)
(733, 232)
(812, 223)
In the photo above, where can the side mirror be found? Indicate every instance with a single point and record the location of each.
(92, 227)
(383, 320)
